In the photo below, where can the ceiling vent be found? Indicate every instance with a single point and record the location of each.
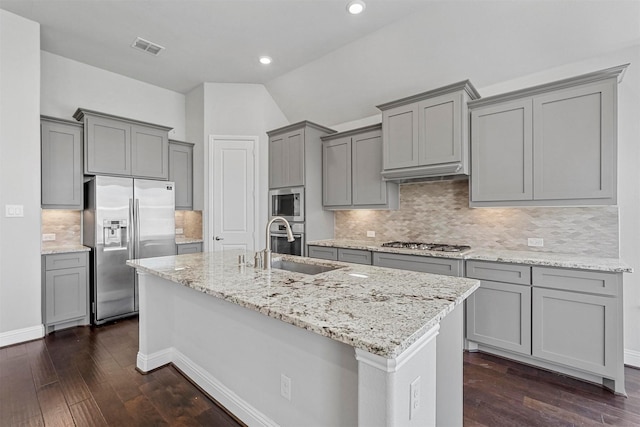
(147, 46)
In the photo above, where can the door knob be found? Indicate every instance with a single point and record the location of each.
(219, 238)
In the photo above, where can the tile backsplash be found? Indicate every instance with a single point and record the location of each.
(190, 222)
(439, 212)
(65, 224)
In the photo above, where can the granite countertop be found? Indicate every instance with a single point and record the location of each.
(49, 249)
(186, 240)
(380, 310)
(547, 259)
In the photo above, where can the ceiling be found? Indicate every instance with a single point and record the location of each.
(205, 41)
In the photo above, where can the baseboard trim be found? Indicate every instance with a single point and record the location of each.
(207, 382)
(18, 336)
(632, 358)
(147, 363)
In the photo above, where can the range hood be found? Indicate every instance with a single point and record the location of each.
(445, 172)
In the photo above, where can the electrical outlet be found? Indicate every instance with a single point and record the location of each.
(371, 234)
(179, 231)
(535, 241)
(285, 387)
(14, 211)
(414, 400)
(48, 237)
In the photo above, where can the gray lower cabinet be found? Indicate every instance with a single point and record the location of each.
(577, 319)
(427, 134)
(65, 290)
(499, 312)
(322, 252)
(351, 171)
(181, 173)
(188, 248)
(553, 144)
(124, 147)
(561, 319)
(61, 164)
(425, 264)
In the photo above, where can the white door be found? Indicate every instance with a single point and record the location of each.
(232, 197)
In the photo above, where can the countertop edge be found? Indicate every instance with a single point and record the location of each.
(64, 250)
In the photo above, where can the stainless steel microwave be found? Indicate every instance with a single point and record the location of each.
(287, 203)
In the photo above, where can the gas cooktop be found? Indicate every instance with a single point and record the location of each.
(427, 246)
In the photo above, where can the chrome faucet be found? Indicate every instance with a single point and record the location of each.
(266, 253)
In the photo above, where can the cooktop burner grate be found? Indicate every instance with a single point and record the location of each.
(441, 247)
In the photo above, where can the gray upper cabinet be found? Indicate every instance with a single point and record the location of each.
(553, 144)
(501, 143)
(181, 173)
(286, 158)
(119, 146)
(61, 161)
(351, 171)
(426, 135)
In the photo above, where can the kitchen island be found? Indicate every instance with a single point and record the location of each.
(276, 347)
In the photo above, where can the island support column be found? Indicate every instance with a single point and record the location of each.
(400, 391)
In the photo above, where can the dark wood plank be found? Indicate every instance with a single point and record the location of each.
(55, 410)
(42, 368)
(87, 413)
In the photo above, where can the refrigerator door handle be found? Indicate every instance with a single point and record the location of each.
(137, 228)
(130, 230)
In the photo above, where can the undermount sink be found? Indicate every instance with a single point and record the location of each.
(298, 267)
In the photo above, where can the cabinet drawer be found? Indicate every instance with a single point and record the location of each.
(499, 272)
(357, 256)
(70, 260)
(323, 252)
(189, 248)
(593, 282)
(424, 264)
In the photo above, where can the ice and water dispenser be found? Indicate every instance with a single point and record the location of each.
(115, 234)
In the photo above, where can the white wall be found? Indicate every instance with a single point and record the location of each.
(68, 84)
(239, 109)
(20, 314)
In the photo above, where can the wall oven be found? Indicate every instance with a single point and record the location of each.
(279, 243)
(287, 203)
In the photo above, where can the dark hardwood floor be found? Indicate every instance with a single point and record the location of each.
(87, 377)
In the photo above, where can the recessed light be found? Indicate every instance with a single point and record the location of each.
(265, 60)
(355, 7)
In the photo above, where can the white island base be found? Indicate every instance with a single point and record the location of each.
(241, 357)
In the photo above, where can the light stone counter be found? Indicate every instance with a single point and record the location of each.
(48, 249)
(546, 259)
(187, 240)
(382, 311)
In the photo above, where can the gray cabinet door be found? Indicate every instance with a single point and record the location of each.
(499, 315)
(368, 186)
(65, 294)
(401, 129)
(574, 143)
(149, 152)
(181, 173)
(107, 146)
(277, 161)
(336, 172)
(501, 152)
(323, 252)
(440, 130)
(575, 330)
(295, 158)
(62, 170)
(286, 159)
(425, 264)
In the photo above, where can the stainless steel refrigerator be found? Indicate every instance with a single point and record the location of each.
(124, 218)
